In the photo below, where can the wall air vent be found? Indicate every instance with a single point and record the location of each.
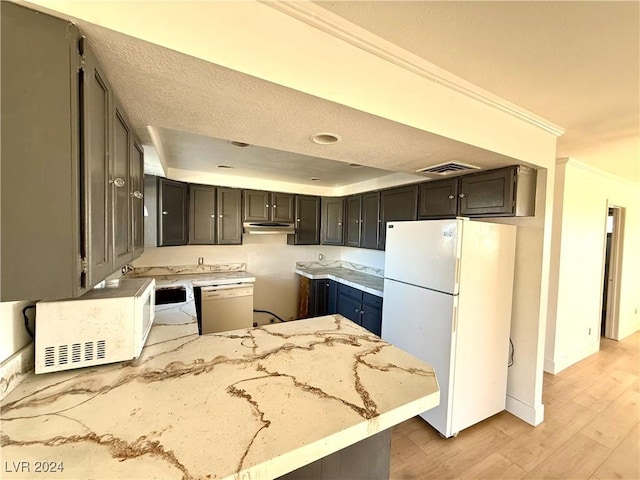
(448, 168)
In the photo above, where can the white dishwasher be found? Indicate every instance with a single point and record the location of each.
(227, 307)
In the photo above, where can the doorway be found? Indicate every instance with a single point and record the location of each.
(612, 269)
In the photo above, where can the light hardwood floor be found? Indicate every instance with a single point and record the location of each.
(591, 430)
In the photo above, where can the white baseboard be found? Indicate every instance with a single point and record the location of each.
(555, 366)
(532, 415)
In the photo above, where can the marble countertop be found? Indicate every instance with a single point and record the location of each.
(196, 275)
(364, 278)
(248, 404)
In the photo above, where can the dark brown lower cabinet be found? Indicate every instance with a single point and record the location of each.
(360, 307)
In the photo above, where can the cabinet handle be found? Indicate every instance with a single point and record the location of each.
(213, 216)
(137, 194)
(362, 312)
(462, 195)
(267, 206)
(339, 224)
(220, 216)
(118, 182)
(165, 212)
(298, 219)
(357, 311)
(451, 197)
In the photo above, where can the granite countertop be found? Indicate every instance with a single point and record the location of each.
(253, 403)
(196, 275)
(364, 278)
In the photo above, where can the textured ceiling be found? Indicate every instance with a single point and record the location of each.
(177, 93)
(188, 151)
(576, 63)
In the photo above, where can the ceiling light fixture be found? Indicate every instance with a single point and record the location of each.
(235, 143)
(325, 138)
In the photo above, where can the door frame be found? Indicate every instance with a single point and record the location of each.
(612, 316)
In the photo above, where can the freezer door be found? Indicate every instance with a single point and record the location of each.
(424, 253)
(420, 322)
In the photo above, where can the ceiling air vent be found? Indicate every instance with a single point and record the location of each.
(447, 168)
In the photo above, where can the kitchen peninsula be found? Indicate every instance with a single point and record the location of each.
(255, 403)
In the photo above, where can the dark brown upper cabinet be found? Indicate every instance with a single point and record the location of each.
(229, 216)
(354, 220)
(363, 220)
(263, 206)
(137, 199)
(504, 192)
(307, 221)
(438, 199)
(67, 150)
(172, 212)
(121, 189)
(202, 215)
(332, 221)
(370, 220)
(397, 204)
(214, 215)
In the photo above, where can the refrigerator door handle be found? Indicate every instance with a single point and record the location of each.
(455, 319)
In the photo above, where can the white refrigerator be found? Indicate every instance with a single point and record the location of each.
(447, 300)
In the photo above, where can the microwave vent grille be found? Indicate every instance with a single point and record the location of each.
(91, 351)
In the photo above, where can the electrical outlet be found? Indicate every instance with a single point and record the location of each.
(320, 256)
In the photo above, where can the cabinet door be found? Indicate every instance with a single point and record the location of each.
(332, 221)
(257, 206)
(370, 220)
(488, 193)
(137, 199)
(319, 301)
(121, 200)
(439, 199)
(354, 220)
(397, 204)
(202, 215)
(372, 313)
(372, 319)
(96, 106)
(282, 207)
(229, 220)
(350, 308)
(307, 221)
(172, 212)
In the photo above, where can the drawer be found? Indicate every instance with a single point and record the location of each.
(372, 300)
(350, 292)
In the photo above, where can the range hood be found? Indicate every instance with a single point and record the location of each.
(268, 227)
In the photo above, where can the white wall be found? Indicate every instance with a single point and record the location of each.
(583, 195)
(530, 294)
(14, 335)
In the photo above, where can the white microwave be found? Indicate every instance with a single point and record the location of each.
(109, 323)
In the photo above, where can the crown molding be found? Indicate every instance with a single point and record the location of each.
(321, 19)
